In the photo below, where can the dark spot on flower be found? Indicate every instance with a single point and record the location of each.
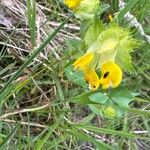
(106, 74)
(94, 86)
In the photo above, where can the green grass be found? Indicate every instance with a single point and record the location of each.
(40, 108)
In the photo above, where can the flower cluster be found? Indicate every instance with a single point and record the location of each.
(103, 55)
(108, 48)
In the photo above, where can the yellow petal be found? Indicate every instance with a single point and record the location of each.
(83, 62)
(111, 75)
(72, 4)
(92, 78)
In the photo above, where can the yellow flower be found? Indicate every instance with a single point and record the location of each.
(92, 78)
(83, 62)
(111, 75)
(110, 111)
(111, 72)
(72, 4)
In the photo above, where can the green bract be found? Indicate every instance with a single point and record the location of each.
(95, 29)
(112, 44)
(87, 9)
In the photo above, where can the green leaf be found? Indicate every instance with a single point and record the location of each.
(83, 98)
(98, 97)
(96, 109)
(75, 76)
(121, 96)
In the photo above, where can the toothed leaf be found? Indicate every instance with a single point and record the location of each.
(123, 56)
(114, 44)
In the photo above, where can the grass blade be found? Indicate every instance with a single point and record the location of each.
(137, 111)
(127, 8)
(40, 142)
(109, 131)
(85, 137)
(115, 5)
(31, 15)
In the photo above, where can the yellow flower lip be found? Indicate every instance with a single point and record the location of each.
(111, 75)
(72, 4)
(92, 78)
(83, 62)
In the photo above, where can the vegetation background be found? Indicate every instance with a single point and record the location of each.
(35, 112)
